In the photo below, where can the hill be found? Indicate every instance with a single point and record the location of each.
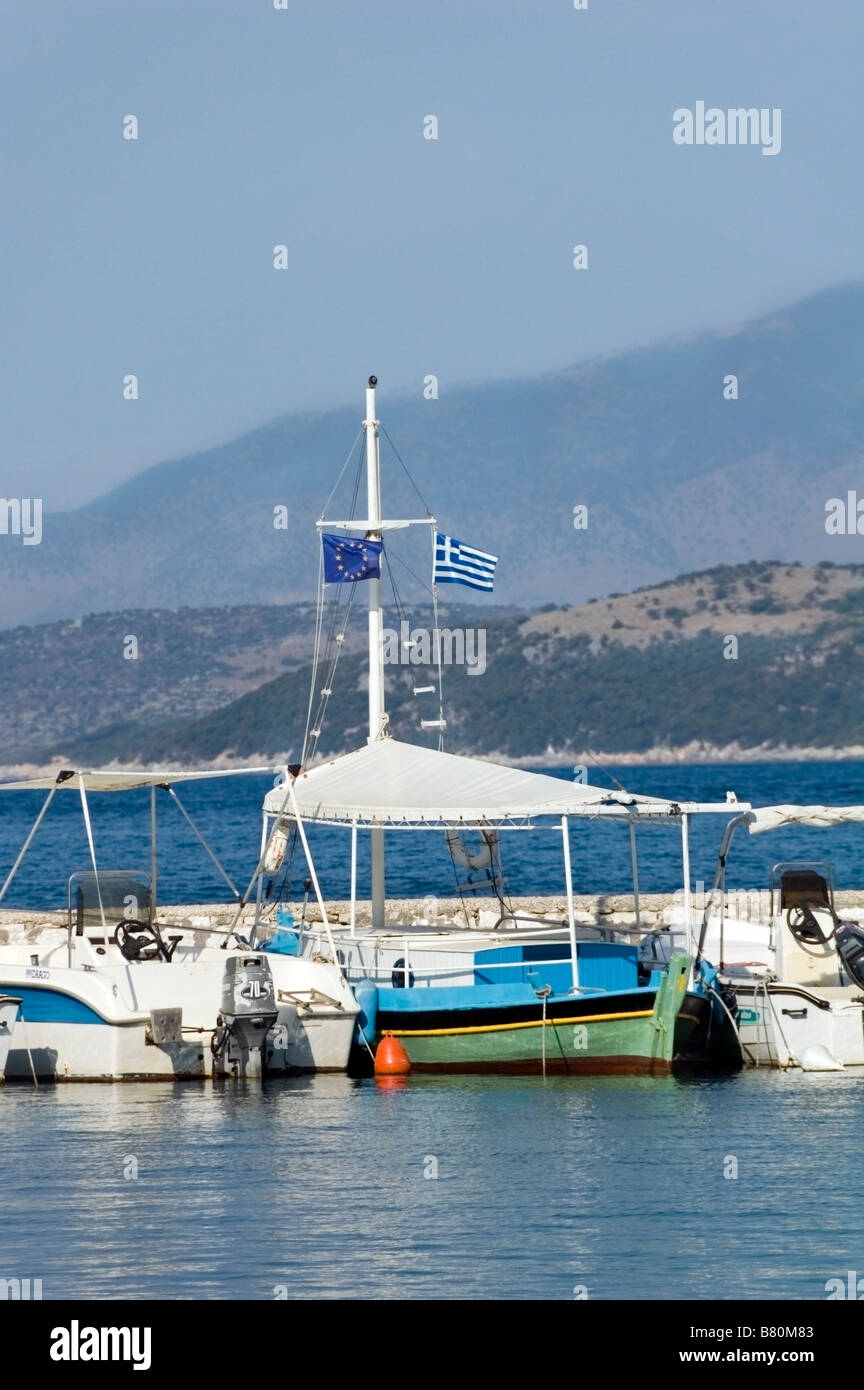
(762, 656)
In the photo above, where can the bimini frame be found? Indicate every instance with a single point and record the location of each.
(632, 812)
(71, 779)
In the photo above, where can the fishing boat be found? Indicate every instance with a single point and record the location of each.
(113, 989)
(525, 994)
(796, 968)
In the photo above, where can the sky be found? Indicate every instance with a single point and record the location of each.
(406, 256)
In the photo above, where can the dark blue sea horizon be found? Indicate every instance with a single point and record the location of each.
(228, 812)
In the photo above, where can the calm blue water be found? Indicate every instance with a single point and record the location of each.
(318, 1185)
(228, 813)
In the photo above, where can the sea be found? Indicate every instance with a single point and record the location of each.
(227, 812)
(434, 1188)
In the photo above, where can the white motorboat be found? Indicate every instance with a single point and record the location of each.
(118, 991)
(796, 968)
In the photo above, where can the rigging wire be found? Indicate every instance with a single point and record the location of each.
(316, 651)
(341, 475)
(406, 470)
(605, 769)
(437, 630)
(401, 610)
(334, 641)
(413, 573)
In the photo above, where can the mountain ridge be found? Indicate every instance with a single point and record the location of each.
(673, 475)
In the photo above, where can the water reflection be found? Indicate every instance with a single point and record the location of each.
(320, 1187)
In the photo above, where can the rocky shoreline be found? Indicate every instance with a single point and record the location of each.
(694, 754)
(657, 910)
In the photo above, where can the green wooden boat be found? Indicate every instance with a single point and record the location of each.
(508, 1028)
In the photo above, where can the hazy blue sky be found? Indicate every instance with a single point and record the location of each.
(407, 256)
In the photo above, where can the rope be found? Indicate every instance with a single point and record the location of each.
(27, 1048)
(437, 630)
(722, 1002)
(793, 1060)
(458, 886)
(763, 1015)
(319, 619)
(335, 650)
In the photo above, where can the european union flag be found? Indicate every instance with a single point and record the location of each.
(347, 559)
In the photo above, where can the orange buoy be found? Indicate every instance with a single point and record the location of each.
(391, 1059)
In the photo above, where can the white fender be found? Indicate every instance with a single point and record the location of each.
(275, 851)
(818, 1058)
(479, 859)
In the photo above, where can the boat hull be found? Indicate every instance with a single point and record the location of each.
(637, 1032)
(613, 1047)
(786, 1025)
(106, 1052)
(77, 1025)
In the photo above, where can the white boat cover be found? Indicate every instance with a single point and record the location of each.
(121, 780)
(390, 782)
(772, 817)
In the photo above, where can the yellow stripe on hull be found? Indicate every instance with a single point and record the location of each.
(502, 1027)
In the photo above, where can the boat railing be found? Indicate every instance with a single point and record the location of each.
(557, 922)
(407, 968)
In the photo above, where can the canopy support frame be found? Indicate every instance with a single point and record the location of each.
(27, 843)
(203, 843)
(301, 830)
(634, 869)
(571, 913)
(353, 908)
(89, 829)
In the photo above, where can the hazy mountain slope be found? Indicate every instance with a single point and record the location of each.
(674, 476)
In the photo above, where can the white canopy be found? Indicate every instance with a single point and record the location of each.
(389, 782)
(772, 817)
(120, 780)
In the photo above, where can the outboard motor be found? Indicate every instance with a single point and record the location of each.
(849, 939)
(248, 1013)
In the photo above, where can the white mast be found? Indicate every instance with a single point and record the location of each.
(377, 715)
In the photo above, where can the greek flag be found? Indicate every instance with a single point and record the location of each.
(458, 563)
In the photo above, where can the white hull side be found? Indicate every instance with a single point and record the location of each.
(790, 1028)
(796, 1008)
(111, 1052)
(95, 1025)
(8, 1015)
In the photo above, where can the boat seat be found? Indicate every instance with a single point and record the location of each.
(797, 885)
